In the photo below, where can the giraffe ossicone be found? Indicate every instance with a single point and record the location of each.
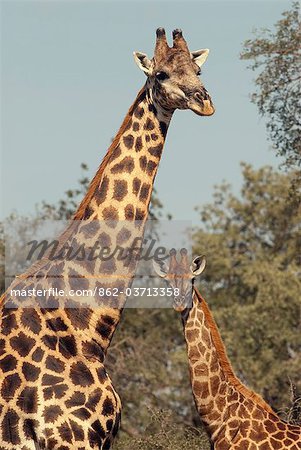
(55, 392)
(235, 417)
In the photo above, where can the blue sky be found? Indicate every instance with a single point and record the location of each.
(68, 77)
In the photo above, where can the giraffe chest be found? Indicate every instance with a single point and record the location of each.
(54, 391)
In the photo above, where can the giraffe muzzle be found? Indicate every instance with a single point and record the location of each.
(179, 304)
(201, 104)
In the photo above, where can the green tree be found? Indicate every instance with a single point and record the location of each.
(253, 278)
(164, 433)
(276, 59)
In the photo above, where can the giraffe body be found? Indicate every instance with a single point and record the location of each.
(60, 377)
(55, 393)
(235, 417)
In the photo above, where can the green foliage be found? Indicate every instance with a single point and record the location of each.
(148, 364)
(293, 414)
(253, 278)
(277, 57)
(164, 433)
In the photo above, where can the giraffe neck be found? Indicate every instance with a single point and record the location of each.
(122, 186)
(112, 215)
(217, 392)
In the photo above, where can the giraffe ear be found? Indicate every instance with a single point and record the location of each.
(160, 267)
(142, 62)
(200, 56)
(198, 265)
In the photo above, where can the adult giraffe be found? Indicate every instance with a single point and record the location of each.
(235, 417)
(55, 392)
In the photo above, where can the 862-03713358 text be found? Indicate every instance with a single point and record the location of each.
(97, 291)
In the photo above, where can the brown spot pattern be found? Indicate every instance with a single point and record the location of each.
(116, 153)
(138, 144)
(136, 185)
(128, 141)
(30, 372)
(120, 189)
(156, 151)
(51, 413)
(8, 324)
(150, 168)
(143, 162)
(30, 319)
(9, 386)
(81, 375)
(139, 112)
(136, 126)
(126, 165)
(110, 213)
(101, 191)
(140, 214)
(144, 192)
(22, 344)
(28, 400)
(129, 212)
(123, 235)
(149, 124)
(8, 363)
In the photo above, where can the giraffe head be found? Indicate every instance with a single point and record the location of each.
(180, 276)
(173, 75)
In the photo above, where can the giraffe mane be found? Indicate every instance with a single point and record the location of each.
(224, 360)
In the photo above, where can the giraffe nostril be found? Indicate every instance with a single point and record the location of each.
(199, 97)
(205, 95)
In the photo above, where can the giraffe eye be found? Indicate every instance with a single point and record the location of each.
(199, 72)
(161, 76)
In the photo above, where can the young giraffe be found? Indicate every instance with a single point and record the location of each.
(55, 392)
(235, 417)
